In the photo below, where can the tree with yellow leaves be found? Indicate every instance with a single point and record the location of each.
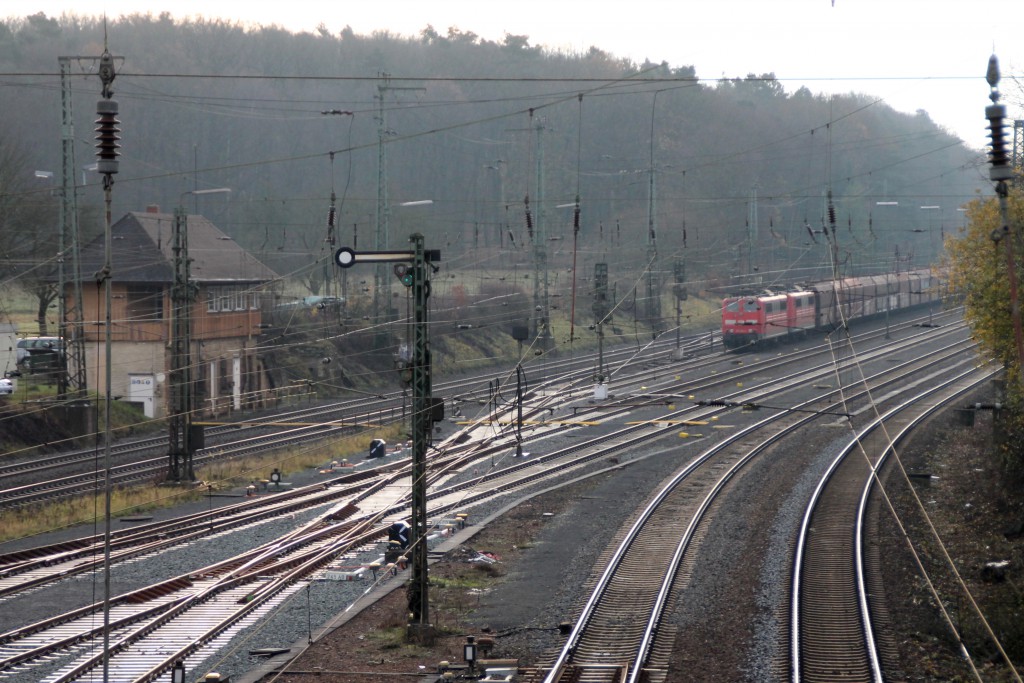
(979, 271)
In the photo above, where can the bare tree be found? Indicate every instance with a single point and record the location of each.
(28, 229)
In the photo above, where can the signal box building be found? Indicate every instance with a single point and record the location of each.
(225, 315)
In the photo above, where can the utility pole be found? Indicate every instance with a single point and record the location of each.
(107, 136)
(752, 234)
(183, 294)
(830, 234)
(653, 297)
(679, 272)
(1002, 173)
(331, 282)
(541, 321)
(520, 381)
(423, 416)
(381, 236)
(497, 214)
(413, 270)
(600, 310)
(381, 227)
(71, 378)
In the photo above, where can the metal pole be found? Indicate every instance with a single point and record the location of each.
(653, 295)
(1011, 268)
(1001, 172)
(888, 303)
(68, 183)
(420, 628)
(182, 386)
(108, 183)
(519, 404)
(541, 305)
(180, 423)
(382, 236)
(72, 368)
(381, 227)
(107, 136)
(600, 310)
(679, 313)
(415, 276)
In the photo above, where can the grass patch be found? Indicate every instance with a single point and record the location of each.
(20, 309)
(478, 580)
(231, 473)
(237, 471)
(30, 388)
(36, 519)
(389, 638)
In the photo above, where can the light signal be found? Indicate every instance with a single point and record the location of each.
(404, 273)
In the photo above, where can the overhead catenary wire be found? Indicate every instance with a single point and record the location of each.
(905, 478)
(640, 82)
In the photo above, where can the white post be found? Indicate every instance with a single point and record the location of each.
(236, 380)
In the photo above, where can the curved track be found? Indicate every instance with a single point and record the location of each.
(310, 549)
(620, 635)
(831, 632)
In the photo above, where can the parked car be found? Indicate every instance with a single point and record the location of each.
(6, 386)
(22, 351)
(39, 353)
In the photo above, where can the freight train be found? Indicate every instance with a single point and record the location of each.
(755, 319)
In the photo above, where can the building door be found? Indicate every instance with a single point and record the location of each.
(140, 390)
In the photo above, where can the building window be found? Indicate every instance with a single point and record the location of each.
(145, 302)
(228, 298)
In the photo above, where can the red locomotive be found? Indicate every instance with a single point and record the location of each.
(750, 320)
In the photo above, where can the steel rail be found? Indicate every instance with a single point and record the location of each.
(326, 412)
(398, 473)
(589, 609)
(630, 435)
(435, 513)
(816, 496)
(143, 470)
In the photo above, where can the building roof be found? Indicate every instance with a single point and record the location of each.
(142, 251)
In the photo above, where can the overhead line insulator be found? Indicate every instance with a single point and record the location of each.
(107, 136)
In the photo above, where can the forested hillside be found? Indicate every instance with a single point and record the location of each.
(729, 175)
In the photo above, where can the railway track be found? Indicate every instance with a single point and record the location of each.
(139, 464)
(831, 632)
(380, 506)
(144, 461)
(42, 565)
(620, 635)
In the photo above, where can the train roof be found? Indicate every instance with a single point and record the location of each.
(864, 280)
(828, 285)
(767, 293)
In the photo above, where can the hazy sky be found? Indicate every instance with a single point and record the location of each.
(915, 54)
